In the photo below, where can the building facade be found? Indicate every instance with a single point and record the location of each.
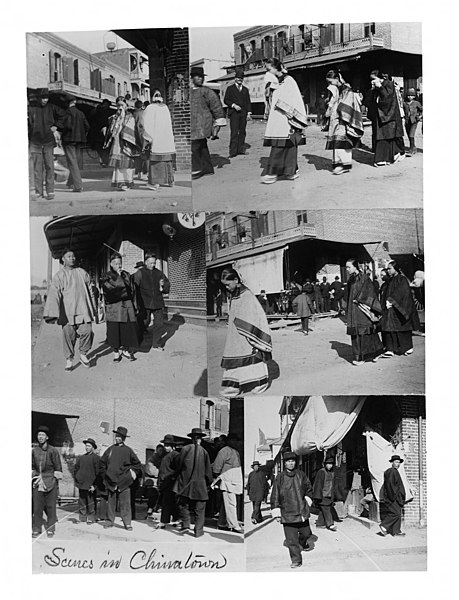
(309, 50)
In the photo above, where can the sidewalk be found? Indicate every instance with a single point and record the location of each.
(321, 363)
(239, 189)
(353, 547)
(179, 371)
(98, 196)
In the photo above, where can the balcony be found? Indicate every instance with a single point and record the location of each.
(235, 246)
(83, 92)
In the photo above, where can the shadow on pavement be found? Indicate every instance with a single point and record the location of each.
(102, 350)
(319, 162)
(343, 350)
(273, 370)
(219, 161)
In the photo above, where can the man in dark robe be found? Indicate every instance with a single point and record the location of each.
(74, 135)
(151, 284)
(257, 489)
(325, 492)
(392, 499)
(194, 477)
(166, 479)
(237, 99)
(86, 473)
(291, 498)
(46, 473)
(120, 468)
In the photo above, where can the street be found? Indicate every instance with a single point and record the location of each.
(355, 546)
(179, 371)
(321, 363)
(239, 189)
(98, 196)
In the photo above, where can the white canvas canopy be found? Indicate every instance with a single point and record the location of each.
(263, 271)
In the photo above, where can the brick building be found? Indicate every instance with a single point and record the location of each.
(399, 420)
(308, 51)
(286, 246)
(180, 252)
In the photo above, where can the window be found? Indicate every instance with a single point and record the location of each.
(301, 217)
(369, 29)
(242, 53)
(119, 89)
(267, 46)
(76, 78)
(218, 417)
(57, 67)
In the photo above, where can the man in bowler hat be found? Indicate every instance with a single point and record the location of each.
(166, 479)
(257, 489)
(86, 474)
(392, 499)
(194, 477)
(291, 498)
(237, 99)
(120, 468)
(46, 473)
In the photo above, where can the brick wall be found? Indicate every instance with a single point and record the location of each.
(178, 98)
(187, 266)
(412, 409)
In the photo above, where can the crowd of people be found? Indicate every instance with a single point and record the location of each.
(131, 303)
(135, 138)
(340, 112)
(293, 499)
(178, 481)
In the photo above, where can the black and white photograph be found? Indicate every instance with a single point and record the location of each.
(336, 483)
(108, 121)
(328, 299)
(283, 110)
(112, 473)
(118, 306)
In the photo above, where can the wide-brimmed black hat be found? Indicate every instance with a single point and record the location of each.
(329, 459)
(196, 431)
(289, 456)
(396, 457)
(90, 441)
(44, 429)
(43, 93)
(122, 431)
(197, 71)
(239, 73)
(255, 462)
(70, 98)
(168, 439)
(138, 264)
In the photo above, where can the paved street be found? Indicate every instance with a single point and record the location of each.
(321, 363)
(98, 196)
(236, 184)
(355, 546)
(179, 371)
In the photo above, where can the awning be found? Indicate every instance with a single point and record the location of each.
(328, 59)
(324, 422)
(146, 39)
(263, 272)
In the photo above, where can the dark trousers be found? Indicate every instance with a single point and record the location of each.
(296, 536)
(324, 304)
(125, 506)
(73, 156)
(327, 514)
(200, 157)
(168, 506)
(44, 501)
(238, 125)
(87, 505)
(256, 513)
(398, 341)
(195, 508)
(42, 157)
(366, 345)
(102, 506)
(391, 517)
(158, 325)
(305, 323)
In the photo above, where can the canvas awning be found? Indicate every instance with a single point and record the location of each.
(263, 271)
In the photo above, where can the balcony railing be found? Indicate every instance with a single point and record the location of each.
(107, 90)
(297, 47)
(235, 244)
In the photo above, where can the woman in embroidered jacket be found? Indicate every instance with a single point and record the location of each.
(399, 314)
(121, 140)
(155, 127)
(248, 342)
(122, 332)
(362, 314)
(285, 128)
(345, 127)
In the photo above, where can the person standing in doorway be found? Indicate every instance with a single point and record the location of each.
(237, 99)
(291, 498)
(46, 474)
(325, 295)
(302, 306)
(71, 304)
(257, 489)
(151, 284)
(76, 128)
(393, 498)
(325, 493)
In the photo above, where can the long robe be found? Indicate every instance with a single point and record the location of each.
(194, 473)
(248, 344)
(387, 113)
(346, 125)
(257, 486)
(402, 316)
(393, 498)
(287, 113)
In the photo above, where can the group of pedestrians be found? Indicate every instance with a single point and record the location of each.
(131, 302)
(184, 478)
(134, 138)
